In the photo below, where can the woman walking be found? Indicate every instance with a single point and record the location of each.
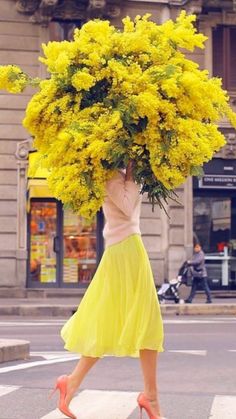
(199, 274)
(119, 314)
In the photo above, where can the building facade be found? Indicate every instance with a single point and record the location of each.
(49, 247)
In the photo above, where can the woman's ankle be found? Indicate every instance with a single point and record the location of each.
(153, 399)
(151, 395)
(73, 383)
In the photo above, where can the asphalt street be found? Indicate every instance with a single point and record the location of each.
(197, 373)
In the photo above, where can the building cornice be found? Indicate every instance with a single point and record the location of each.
(43, 11)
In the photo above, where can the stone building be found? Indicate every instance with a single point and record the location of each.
(31, 246)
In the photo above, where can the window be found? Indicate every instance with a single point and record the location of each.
(63, 30)
(224, 55)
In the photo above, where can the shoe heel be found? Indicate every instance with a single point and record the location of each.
(140, 412)
(52, 392)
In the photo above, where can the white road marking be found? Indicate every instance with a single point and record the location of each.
(7, 389)
(200, 321)
(53, 357)
(53, 354)
(59, 322)
(223, 407)
(27, 365)
(90, 404)
(38, 323)
(185, 351)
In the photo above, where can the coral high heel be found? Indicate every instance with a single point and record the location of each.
(61, 385)
(144, 403)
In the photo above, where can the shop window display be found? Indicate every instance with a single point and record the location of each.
(212, 222)
(42, 232)
(80, 250)
(74, 246)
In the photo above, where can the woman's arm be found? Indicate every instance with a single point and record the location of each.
(197, 259)
(129, 171)
(123, 191)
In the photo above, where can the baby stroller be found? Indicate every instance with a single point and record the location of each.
(169, 291)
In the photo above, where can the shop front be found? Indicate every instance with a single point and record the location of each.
(64, 249)
(214, 220)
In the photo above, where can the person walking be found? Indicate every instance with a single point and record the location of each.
(199, 273)
(119, 314)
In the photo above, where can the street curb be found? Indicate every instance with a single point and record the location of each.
(37, 310)
(60, 310)
(14, 349)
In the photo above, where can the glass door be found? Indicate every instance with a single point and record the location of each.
(43, 256)
(80, 247)
(215, 227)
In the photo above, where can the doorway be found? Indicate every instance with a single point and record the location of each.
(214, 225)
(64, 249)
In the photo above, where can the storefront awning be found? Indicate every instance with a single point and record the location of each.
(35, 172)
(37, 186)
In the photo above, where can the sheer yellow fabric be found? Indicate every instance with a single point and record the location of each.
(119, 313)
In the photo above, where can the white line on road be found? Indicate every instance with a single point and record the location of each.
(63, 356)
(59, 322)
(38, 323)
(26, 365)
(53, 354)
(7, 389)
(90, 404)
(185, 351)
(200, 321)
(223, 407)
(56, 322)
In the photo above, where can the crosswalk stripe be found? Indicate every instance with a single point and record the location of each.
(7, 389)
(185, 351)
(100, 404)
(104, 404)
(53, 354)
(26, 365)
(223, 407)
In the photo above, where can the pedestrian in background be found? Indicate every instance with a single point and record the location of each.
(199, 273)
(119, 314)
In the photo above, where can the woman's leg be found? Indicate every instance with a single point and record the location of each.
(193, 291)
(206, 288)
(148, 359)
(76, 377)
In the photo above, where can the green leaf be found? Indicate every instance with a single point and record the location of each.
(95, 94)
(197, 171)
(170, 70)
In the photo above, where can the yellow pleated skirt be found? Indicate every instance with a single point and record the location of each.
(119, 313)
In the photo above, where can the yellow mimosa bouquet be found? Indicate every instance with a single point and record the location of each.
(115, 95)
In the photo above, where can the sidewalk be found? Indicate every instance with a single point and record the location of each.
(64, 306)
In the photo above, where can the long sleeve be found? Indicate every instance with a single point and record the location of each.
(198, 259)
(123, 193)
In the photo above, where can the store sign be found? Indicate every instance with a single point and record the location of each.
(219, 174)
(217, 181)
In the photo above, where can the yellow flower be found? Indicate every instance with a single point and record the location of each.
(12, 79)
(82, 80)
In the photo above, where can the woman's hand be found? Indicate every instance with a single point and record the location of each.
(129, 170)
